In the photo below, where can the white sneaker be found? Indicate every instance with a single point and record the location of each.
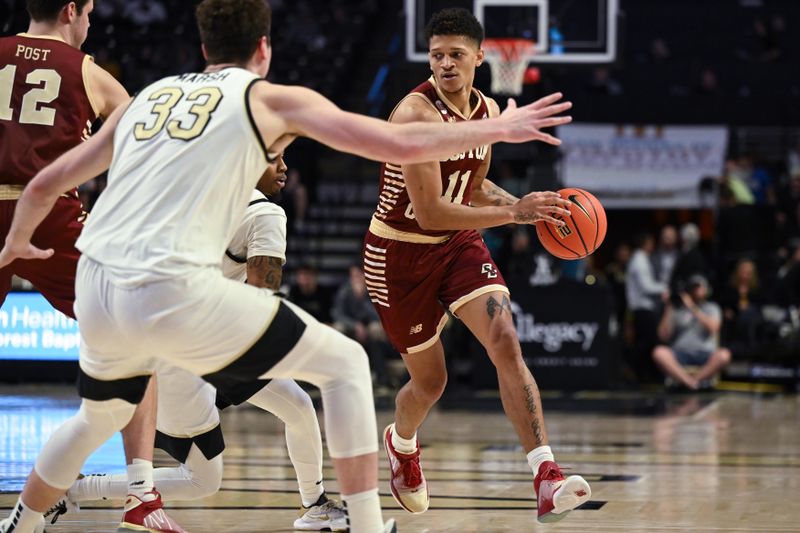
(324, 515)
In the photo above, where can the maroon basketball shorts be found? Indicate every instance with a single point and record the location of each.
(413, 284)
(53, 277)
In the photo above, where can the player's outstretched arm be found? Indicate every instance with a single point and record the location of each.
(74, 168)
(308, 113)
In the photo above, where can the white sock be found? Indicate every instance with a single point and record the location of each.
(99, 487)
(402, 445)
(23, 518)
(140, 478)
(364, 512)
(310, 493)
(539, 455)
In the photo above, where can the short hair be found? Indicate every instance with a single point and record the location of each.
(48, 10)
(231, 29)
(455, 21)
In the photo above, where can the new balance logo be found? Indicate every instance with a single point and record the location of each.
(415, 329)
(489, 270)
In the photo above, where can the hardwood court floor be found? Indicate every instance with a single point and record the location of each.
(712, 463)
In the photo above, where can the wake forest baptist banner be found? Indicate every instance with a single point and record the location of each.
(564, 333)
(31, 329)
(642, 166)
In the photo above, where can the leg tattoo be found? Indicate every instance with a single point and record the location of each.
(530, 403)
(493, 307)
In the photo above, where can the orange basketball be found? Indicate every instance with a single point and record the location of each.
(585, 229)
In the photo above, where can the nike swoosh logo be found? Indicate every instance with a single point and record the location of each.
(574, 199)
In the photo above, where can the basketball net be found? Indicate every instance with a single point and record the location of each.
(508, 59)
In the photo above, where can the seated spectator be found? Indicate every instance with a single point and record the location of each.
(354, 315)
(309, 295)
(691, 334)
(741, 305)
(787, 293)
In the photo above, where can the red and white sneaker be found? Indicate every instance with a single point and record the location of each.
(556, 495)
(408, 484)
(147, 515)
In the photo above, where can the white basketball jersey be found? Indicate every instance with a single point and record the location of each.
(187, 157)
(262, 232)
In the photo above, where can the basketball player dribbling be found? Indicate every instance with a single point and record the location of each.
(50, 94)
(188, 421)
(423, 257)
(184, 156)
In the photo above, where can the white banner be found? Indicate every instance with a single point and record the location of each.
(642, 166)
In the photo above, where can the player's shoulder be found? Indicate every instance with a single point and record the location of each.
(415, 107)
(260, 205)
(494, 107)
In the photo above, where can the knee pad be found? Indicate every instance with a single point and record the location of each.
(95, 422)
(205, 474)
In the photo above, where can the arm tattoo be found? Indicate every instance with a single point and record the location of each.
(530, 403)
(497, 196)
(524, 218)
(264, 271)
(493, 307)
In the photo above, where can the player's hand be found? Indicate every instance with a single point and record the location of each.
(524, 123)
(687, 300)
(12, 251)
(541, 207)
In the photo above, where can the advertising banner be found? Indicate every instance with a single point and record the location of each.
(642, 166)
(564, 331)
(30, 328)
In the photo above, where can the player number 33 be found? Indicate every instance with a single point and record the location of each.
(186, 128)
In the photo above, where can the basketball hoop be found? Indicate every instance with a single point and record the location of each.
(508, 59)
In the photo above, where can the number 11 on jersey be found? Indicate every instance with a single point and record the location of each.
(453, 181)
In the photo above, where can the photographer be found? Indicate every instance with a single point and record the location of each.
(692, 331)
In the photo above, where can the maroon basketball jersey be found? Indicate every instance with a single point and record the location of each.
(458, 172)
(44, 104)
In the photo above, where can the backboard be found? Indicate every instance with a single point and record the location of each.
(565, 31)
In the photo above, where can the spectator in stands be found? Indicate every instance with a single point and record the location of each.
(145, 12)
(741, 305)
(604, 83)
(708, 83)
(294, 201)
(787, 293)
(788, 213)
(643, 292)
(354, 315)
(615, 274)
(758, 179)
(691, 260)
(692, 354)
(307, 293)
(735, 180)
(666, 255)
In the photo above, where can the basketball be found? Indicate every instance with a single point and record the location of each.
(585, 229)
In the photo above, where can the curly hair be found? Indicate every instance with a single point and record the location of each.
(231, 29)
(455, 21)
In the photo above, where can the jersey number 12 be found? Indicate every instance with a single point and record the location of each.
(32, 112)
